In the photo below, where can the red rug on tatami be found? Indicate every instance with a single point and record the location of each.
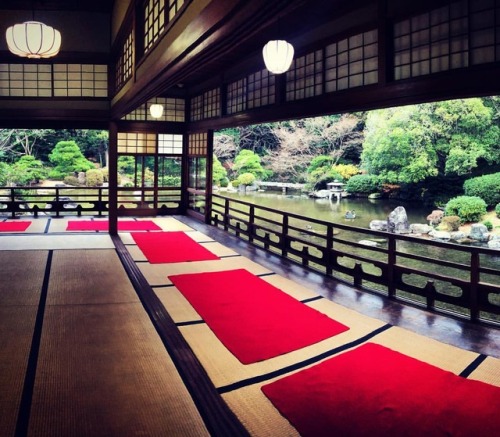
(171, 247)
(252, 318)
(375, 391)
(14, 226)
(103, 225)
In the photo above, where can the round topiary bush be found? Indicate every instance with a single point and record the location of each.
(468, 208)
(363, 184)
(486, 187)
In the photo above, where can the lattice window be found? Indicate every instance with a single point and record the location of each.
(174, 7)
(154, 22)
(261, 89)
(352, 62)
(80, 80)
(173, 110)
(25, 80)
(197, 144)
(206, 105)
(125, 64)
(170, 144)
(432, 42)
(305, 76)
(136, 143)
(237, 96)
(484, 31)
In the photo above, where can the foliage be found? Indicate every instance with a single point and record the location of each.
(248, 162)
(497, 210)
(68, 158)
(71, 180)
(486, 187)
(27, 170)
(94, 178)
(169, 181)
(410, 144)
(246, 179)
(488, 225)
(218, 171)
(346, 171)
(319, 162)
(224, 182)
(4, 173)
(468, 208)
(126, 164)
(450, 223)
(363, 184)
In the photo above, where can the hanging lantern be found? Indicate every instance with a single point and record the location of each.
(156, 110)
(33, 39)
(278, 56)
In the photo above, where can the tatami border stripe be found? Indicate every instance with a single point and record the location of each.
(29, 380)
(47, 226)
(312, 299)
(192, 322)
(261, 275)
(217, 416)
(301, 364)
(473, 366)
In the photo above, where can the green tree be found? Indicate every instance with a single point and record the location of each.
(410, 144)
(248, 162)
(27, 170)
(218, 171)
(68, 158)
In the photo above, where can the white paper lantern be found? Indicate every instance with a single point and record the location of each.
(278, 56)
(33, 39)
(156, 110)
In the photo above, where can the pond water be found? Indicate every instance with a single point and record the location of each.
(332, 210)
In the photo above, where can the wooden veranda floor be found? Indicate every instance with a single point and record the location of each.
(93, 345)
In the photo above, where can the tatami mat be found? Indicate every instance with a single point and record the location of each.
(157, 274)
(488, 371)
(54, 242)
(16, 332)
(89, 277)
(106, 373)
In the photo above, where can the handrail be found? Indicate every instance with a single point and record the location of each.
(402, 268)
(64, 201)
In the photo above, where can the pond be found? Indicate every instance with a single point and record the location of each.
(332, 210)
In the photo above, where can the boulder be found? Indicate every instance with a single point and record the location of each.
(397, 222)
(82, 177)
(440, 235)
(435, 217)
(418, 228)
(479, 232)
(494, 244)
(378, 225)
(457, 236)
(375, 196)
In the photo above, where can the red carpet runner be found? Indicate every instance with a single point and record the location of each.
(14, 226)
(375, 391)
(171, 247)
(103, 225)
(251, 317)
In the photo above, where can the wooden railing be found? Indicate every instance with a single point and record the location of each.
(64, 201)
(462, 281)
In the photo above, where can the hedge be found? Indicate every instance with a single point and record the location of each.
(486, 187)
(468, 208)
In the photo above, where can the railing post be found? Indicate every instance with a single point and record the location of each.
(284, 236)
(474, 285)
(13, 200)
(99, 202)
(328, 250)
(391, 262)
(226, 214)
(57, 202)
(251, 220)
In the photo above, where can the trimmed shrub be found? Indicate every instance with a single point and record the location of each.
(246, 179)
(450, 223)
(468, 208)
(488, 225)
(363, 184)
(71, 180)
(497, 210)
(224, 182)
(486, 187)
(94, 178)
(170, 181)
(236, 183)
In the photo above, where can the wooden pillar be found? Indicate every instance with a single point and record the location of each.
(113, 179)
